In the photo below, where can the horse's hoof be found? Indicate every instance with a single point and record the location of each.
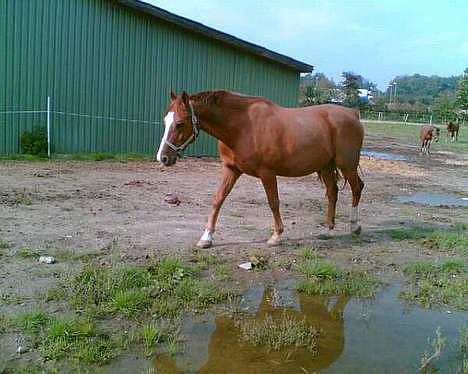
(204, 244)
(355, 228)
(326, 234)
(273, 242)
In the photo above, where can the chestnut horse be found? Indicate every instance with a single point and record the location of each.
(259, 138)
(428, 134)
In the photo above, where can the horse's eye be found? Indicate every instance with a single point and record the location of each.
(179, 125)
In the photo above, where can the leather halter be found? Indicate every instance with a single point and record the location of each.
(180, 148)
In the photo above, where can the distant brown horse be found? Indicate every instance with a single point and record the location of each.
(428, 134)
(452, 131)
(259, 138)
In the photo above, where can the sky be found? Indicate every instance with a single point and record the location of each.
(378, 39)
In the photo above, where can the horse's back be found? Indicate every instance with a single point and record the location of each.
(345, 131)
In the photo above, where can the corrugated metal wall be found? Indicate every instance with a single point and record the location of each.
(98, 58)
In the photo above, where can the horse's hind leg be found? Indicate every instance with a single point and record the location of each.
(356, 185)
(329, 177)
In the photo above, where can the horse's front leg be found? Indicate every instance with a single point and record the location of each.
(271, 189)
(229, 178)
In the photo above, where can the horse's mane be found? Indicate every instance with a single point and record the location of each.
(222, 97)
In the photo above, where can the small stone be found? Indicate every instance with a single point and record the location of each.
(171, 199)
(46, 260)
(21, 349)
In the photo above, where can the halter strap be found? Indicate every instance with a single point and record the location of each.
(180, 148)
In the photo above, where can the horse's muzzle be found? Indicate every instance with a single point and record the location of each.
(168, 160)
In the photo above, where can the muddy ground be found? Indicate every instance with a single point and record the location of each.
(139, 209)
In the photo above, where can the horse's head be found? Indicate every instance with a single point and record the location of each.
(435, 134)
(181, 129)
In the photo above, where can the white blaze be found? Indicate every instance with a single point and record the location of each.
(168, 122)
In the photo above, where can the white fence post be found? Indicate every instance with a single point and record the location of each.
(48, 126)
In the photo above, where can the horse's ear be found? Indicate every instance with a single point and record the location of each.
(185, 97)
(173, 95)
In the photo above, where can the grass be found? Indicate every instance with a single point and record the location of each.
(409, 134)
(276, 334)
(76, 339)
(412, 233)
(32, 321)
(30, 253)
(4, 324)
(165, 289)
(152, 334)
(453, 238)
(4, 244)
(437, 284)
(69, 338)
(324, 278)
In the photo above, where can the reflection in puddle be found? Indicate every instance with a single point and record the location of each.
(434, 199)
(385, 156)
(355, 336)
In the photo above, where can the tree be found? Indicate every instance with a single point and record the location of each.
(444, 107)
(462, 94)
(378, 104)
(350, 88)
(316, 89)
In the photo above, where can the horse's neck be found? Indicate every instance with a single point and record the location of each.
(219, 122)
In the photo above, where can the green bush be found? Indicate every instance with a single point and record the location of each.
(34, 142)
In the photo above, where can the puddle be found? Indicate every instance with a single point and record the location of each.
(434, 199)
(385, 156)
(355, 336)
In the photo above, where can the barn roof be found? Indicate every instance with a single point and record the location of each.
(218, 35)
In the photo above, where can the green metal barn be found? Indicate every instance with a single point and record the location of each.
(108, 67)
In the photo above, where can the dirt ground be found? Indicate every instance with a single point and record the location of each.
(138, 209)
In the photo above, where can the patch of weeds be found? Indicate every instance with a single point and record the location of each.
(259, 261)
(445, 240)
(96, 285)
(63, 336)
(4, 244)
(130, 301)
(152, 334)
(99, 350)
(209, 293)
(30, 253)
(317, 268)
(72, 255)
(172, 342)
(4, 324)
(308, 253)
(462, 358)
(276, 334)
(166, 288)
(324, 278)
(205, 261)
(221, 272)
(32, 322)
(165, 307)
(412, 233)
(7, 298)
(432, 284)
